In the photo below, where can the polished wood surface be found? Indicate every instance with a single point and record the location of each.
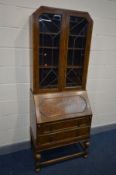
(61, 105)
(51, 107)
(60, 115)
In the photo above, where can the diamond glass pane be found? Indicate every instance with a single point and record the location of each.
(48, 77)
(74, 77)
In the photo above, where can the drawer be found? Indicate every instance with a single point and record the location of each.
(64, 124)
(64, 135)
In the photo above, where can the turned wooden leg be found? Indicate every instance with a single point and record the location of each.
(86, 145)
(37, 162)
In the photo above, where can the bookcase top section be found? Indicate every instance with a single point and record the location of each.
(61, 41)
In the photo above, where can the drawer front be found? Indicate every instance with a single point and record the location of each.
(59, 125)
(64, 135)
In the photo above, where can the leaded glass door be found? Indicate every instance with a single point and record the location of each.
(77, 35)
(49, 50)
(61, 44)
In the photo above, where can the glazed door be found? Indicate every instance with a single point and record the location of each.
(49, 50)
(76, 51)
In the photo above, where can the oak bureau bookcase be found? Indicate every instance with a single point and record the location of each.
(60, 112)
